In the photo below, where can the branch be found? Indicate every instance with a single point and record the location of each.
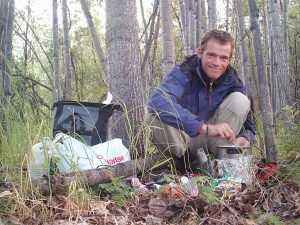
(33, 80)
(58, 183)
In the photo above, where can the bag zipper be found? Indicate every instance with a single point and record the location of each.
(209, 93)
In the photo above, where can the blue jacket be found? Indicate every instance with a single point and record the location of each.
(187, 97)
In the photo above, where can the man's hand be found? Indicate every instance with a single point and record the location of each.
(221, 130)
(241, 141)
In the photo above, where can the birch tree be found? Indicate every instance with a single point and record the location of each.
(199, 28)
(7, 68)
(168, 45)
(279, 57)
(123, 57)
(3, 20)
(187, 28)
(263, 89)
(182, 11)
(203, 17)
(192, 26)
(67, 55)
(242, 38)
(212, 14)
(56, 81)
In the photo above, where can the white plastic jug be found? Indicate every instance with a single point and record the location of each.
(39, 164)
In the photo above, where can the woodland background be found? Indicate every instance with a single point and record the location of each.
(80, 50)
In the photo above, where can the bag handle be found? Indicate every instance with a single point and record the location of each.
(73, 118)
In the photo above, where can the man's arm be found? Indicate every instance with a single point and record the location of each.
(165, 103)
(247, 132)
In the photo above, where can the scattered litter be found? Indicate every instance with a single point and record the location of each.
(172, 190)
(266, 170)
(139, 186)
(189, 187)
(227, 183)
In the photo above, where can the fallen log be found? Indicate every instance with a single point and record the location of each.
(59, 182)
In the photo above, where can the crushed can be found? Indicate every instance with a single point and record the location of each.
(236, 160)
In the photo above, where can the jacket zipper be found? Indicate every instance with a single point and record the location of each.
(209, 93)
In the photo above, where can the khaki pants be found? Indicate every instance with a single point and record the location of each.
(233, 111)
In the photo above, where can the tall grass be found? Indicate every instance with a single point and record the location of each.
(288, 144)
(23, 128)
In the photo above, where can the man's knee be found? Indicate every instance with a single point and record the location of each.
(237, 103)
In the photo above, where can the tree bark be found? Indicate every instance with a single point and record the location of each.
(264, 96)
(227, 15)
(212, 14)
(3, 16)
(203, 17)
(7, 72)
(123, 57)
(242, 37)
(168, 45)
(181, 4)
(193, 26)
(56, 81)
(67, 56)
(187, 28)
(3, 21)
(26, 37)
(280, 63)
(59, 183)
(199, 30)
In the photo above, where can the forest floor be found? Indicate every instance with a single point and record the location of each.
(275, 200)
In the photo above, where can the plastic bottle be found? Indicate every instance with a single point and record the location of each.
(189, 187)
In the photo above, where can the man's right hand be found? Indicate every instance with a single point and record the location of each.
(221, 130)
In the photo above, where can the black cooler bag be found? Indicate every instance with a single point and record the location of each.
(85, 121)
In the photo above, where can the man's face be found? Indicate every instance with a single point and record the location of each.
(215, 58)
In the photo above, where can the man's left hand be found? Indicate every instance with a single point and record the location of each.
(241, 141)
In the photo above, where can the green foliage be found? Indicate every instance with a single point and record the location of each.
(208, 192)
(274, 220)
(288, 143)
(296, 222)
(119, 190)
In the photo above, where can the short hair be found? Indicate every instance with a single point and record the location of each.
(220, 35)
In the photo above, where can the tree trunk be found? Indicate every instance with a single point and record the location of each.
(203, 17)
(212, 14)
(187, 28)
(67, 56)
(123, 57)
(243, 44)
(199, 30)
(7, 72)
(60, 182)
(150, 40)
(193, 26)
(181, 4)
(280, 63)
(227, 15)
(168, 46)
(264, 99)
(3, 21)
(96, 42)
(26, 38)
(56, 81)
